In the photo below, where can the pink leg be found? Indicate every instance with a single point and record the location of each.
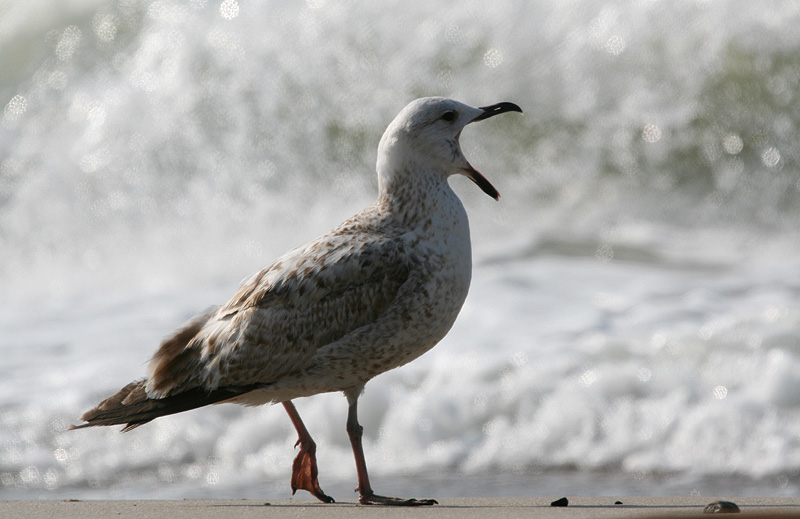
(368, 497)
(304, 469)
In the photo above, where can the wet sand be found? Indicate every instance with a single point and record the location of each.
(486, 508)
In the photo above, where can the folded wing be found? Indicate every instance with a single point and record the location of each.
(282, 316)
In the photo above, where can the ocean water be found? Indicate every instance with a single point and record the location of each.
(633, 325)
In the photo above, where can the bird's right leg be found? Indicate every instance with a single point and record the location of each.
(304, 469)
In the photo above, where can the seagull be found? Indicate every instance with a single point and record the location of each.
(372, 294)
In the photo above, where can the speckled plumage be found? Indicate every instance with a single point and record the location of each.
(371, 295)
(374, 293)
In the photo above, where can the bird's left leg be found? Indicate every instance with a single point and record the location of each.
(355, 431)
(304, 469)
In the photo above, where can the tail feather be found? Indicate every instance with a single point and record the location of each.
(131, 405)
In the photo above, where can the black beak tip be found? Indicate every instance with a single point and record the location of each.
(496, 109)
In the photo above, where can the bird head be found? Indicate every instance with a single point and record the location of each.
(425, 137)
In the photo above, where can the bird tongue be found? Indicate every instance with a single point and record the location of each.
(486, 186)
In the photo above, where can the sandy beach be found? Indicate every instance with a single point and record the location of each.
(488, 508)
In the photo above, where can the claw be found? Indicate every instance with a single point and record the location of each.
(374, 499)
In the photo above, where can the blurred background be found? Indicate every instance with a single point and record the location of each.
(633, 325)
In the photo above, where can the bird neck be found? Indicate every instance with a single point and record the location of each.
(420, 199)
(413, 184)
(412, 189)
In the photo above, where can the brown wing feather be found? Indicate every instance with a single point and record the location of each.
(175, 356)
(276, 322)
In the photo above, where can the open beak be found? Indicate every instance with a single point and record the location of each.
(472, 173)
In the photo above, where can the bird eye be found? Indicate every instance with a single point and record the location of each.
(449, 115)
